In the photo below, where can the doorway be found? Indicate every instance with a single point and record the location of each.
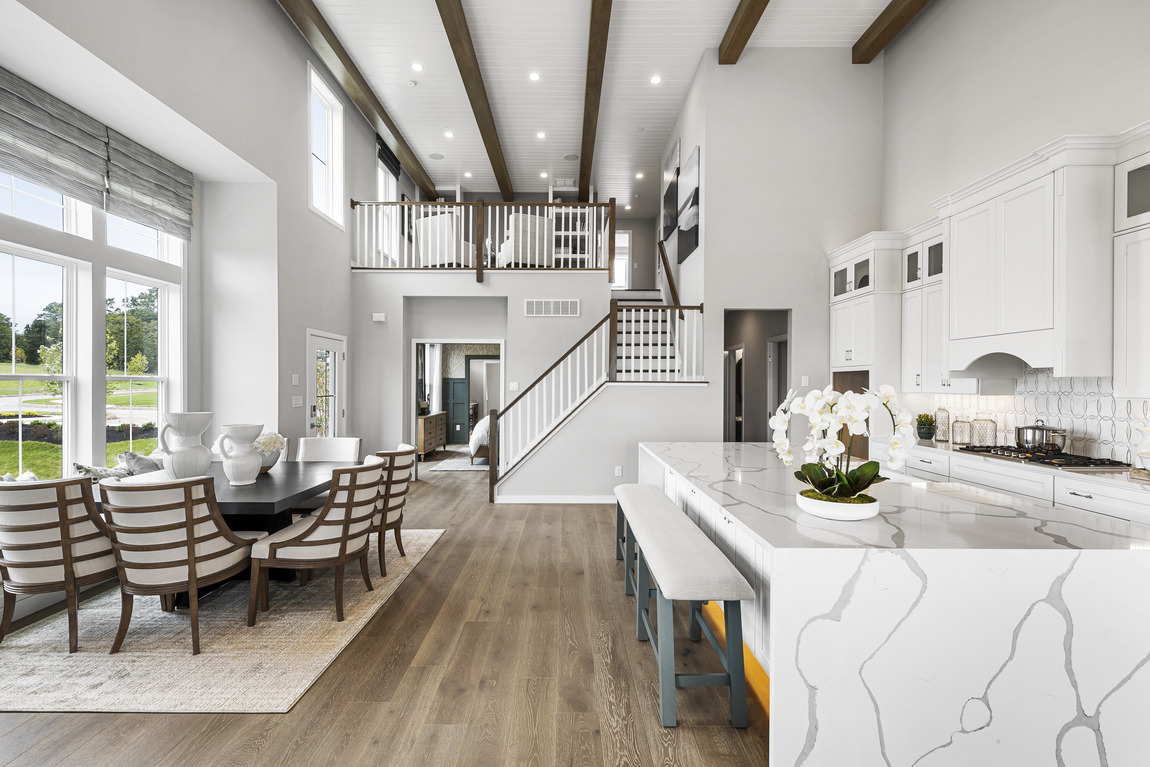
(326, 384)
(483, 376)
(756, 371)
(733, 371)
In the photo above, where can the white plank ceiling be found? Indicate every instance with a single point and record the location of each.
(516, 37)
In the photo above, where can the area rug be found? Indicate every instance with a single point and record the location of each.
(262, 669)
(460, 464)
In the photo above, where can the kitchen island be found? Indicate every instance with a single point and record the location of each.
(960, 626)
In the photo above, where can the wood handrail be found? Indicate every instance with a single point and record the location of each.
(413, 203)
(670, 278)
(653, 307)
(556, 364)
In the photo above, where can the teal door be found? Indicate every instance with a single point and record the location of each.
(455, 402)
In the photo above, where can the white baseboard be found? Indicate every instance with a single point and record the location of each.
(554, 498)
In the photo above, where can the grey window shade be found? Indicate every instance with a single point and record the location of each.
(48, 142)
(148, 188)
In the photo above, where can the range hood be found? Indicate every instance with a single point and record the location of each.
(1005, 352)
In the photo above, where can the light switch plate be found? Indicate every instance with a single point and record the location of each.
(297, 401)
(618, 471)
(805, 381)
(295, 380)
(513, 386)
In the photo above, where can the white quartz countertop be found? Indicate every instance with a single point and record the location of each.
(753, 486)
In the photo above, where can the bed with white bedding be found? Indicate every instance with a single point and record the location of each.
(480, 439)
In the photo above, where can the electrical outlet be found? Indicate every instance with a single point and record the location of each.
(513, 386)
(295, 379)
(805, 381)
(297, 401)
(618, 471)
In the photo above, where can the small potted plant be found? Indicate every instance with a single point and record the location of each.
(269, 446)
(836, 489)
(926, 426)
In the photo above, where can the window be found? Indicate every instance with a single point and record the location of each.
(33, 366)
(39, 205)
(133, 355)
(622, 261)
(325, 141)
(145, 240)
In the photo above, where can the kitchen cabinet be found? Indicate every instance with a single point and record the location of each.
(1132, 314)
(1132, 193)
(852, 333)
(852, 279)
(1131, 503)
(1002, 266)
(923, 264)
(925, 340)
(1038, 487)
(867, 265)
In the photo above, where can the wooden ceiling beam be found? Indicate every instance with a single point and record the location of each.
(596, 56)
(885, 28)
(315, 29)
(459, 35)
(740, 29)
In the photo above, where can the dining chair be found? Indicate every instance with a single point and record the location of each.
(51, 539)
(393, 486)
(332, 537)
(169, 537)
(325, 449)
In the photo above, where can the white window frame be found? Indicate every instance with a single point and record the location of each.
(169, 248)
(334, 162)
(76, 216)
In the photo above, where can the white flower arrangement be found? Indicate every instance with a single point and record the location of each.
(269, 442)
(826, 463)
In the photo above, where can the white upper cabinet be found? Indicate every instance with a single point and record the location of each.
(912, 345)
(1132, 314)
(1132, 193)
(853, 278)
(971, 271)
(922, 264)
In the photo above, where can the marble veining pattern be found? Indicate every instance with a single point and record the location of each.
(755, 488)
(1098, 423)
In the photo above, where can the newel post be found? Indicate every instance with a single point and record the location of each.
(611, 246)
(492, 454)
(479, 240)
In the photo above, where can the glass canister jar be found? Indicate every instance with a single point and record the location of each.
(942, 425)
(983, 431)
(960, 432)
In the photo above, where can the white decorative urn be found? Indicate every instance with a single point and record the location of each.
(241, 461)
(180, 439)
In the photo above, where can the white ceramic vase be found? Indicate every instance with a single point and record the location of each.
(241, 461)
(1143, 449)
(268, 461)
(843, 512)
(180, 439)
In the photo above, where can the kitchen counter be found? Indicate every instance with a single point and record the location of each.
(961, 626)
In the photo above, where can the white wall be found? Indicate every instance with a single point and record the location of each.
(690, 131)
(974, 85)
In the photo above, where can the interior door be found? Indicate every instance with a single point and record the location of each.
(326, 389)
(456, 398)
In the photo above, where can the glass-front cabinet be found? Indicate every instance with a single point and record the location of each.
(852, 279)
(1132, 193)
(923, 264)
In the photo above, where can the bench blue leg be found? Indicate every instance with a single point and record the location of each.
(642, 598)
(738, 688)
(666, 650)
(696, 631)
(628, 559)
(618, 531)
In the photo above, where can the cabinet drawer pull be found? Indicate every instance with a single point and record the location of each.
(928, 463)
(1087, 496)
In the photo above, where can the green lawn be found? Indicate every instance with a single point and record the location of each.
(44, 459)
(22, 368)
(139, 399)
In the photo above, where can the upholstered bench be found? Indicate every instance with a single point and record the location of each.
(685, 566)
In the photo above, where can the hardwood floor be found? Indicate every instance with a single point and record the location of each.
(510, 644)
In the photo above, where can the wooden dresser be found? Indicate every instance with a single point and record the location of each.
(431, 432)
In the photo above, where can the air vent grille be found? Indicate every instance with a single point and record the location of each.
(551, 307)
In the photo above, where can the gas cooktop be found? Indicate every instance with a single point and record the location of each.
(1051, 458)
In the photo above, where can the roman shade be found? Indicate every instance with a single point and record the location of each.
(387, 157)
(148, 188)
(50, 143)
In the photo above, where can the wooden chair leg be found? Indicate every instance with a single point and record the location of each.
(73, 630)
(125, 619)
(265, 596)
(399, 542)
(6, 620)
(253, 591)
(363, 571)
(339, 592)
(382, 564)
(194, 612)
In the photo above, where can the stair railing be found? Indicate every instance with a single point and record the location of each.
(658, 343)
(669, 289)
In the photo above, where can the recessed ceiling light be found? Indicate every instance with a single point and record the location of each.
(543, 174)
(540, 134)
(435, 156)
(448, 134)
(467, 174)
(655, 79)
(417, 67)
(570, 157)
(412, 83)
(626, 207)
(533, 77)
(638, 175)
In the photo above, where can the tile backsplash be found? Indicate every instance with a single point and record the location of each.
(1097, 423)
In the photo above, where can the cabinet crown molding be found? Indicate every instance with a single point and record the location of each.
(870, 241)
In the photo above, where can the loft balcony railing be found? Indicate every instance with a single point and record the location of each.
(483, 236)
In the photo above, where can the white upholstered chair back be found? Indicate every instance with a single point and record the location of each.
(48, 533)
(328, 449)
(530, 241)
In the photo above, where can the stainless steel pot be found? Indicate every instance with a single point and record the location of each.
(1040, 437)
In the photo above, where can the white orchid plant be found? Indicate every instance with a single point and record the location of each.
(826, 463)
(269, 442)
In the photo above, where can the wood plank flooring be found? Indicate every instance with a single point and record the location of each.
(510, 644)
